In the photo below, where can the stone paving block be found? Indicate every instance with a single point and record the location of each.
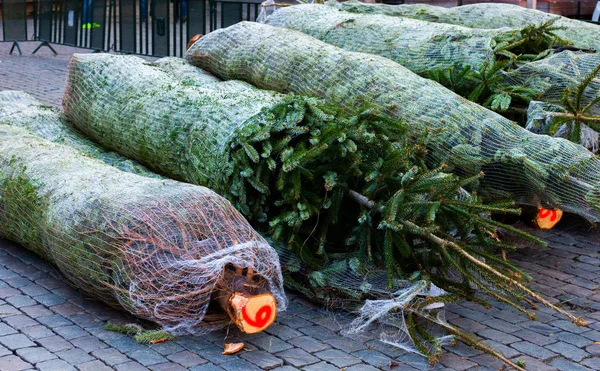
(533, 350)
(338, 358)
(50, 283)
(268, 343)
(70, 332)
(86, 320)
(55, 343)
(373, 357)
(309, 344)
(110, 356)
(124, 344)
(501, 325)
(146, 356)
(285, 368)
(283, 332)
(166, 348)
(262, 359)
(363, 367)
(462, 350)
(577, 340)
(414, 361)
(569, 326)
(498, 336)
(19, 301)
(565, 365)
(54, 321)
(206, 367)
(455, 362)
(468, 324)
(33, 290)
(542, 328)
(186, 358)
(507, 351)
(131, 366)
(594, 350)
(8, 310)
(6, 330)
(535, 337)
(297, 357)
(318, 332)
(88, 343)
(54, 365)
(346, 344)
(321, 366)
(567, 350)
(66, 292)
(239, 365)
(487, 361)
(215, 355)
(18, 282)
(20, 321)
(93, 366)
(74, 356)
(35, 354)
(67, 309)
(591, 363)
(35, 311)
(193, 343)
(16, 341)
(532, 364)
(13, 363)
(4, 351)
(293, 321)
(168, 366)
(49, 300)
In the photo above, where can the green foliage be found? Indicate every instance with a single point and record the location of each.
(139, 334)
(351, 195)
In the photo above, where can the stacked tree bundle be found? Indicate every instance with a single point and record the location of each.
(486, 16)
(417, 45)
(468, 61)
(346, 194)
(532, 168)
(160, 249)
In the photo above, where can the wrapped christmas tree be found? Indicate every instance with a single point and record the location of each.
(533, 169)
(487, 16)
(160, 249)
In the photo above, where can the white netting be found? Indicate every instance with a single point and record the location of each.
(20, 109)
(157, 248)
(533, 168)
(487, 16)
(553, 75)
(417, 45)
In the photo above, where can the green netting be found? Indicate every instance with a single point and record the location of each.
(533, 168)
(20, 109)
(417, 45)
(486, 16)
(157, 248)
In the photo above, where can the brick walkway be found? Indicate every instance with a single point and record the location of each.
(47, 325)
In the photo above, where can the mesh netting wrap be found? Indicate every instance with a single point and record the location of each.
(580, 34)
(533, 168)
(20, 109)
(196, 124)
(568, 89)
(417, 45)
(157, 248)
(551, 76)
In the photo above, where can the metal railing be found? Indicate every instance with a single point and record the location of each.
(147, 27)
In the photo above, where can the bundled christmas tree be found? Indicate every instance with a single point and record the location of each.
(347, 195)
(468, 61)
(533, 169)
(486, 16)
(160, 249)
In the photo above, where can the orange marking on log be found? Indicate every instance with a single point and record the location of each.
(545, 212)
(262, 316)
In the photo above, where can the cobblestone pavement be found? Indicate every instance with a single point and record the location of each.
(47, 325)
